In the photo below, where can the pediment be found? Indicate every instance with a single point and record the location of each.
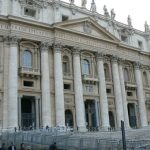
(87, 26)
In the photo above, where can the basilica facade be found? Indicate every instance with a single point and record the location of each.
(64, 65)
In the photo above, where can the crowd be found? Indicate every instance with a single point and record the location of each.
(22, 147)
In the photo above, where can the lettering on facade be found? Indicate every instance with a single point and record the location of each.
(84, 40)
(25, 29)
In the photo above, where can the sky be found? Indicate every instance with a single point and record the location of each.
(139, 10)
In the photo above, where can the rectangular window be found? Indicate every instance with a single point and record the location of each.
(140, 44)
(28, 83)
(67, 86)
(29, 12)
(108, 91)
(124, 38)
(64, 18)
(129, 94)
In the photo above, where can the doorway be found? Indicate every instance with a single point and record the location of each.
(111, 119)
(90, 113)
(68, 118)
(28, 113)
(132, 116)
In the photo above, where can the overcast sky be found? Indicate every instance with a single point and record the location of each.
(139, 10)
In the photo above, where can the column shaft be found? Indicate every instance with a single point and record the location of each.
(79, 103)
(37, 113)
(124, 97)
(59, 90)
(117, 92)
(13, 84)
(141, 96)
(103, 95)
(46, 98)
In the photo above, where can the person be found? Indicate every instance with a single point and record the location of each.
(12, 147)
(3, 147)
(53, 146)
(22, 146)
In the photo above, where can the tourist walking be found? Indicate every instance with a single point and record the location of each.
(12, 147)
(53, 146)
(3, 147)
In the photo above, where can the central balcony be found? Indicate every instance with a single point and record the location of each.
(29, 72)
(89, 79)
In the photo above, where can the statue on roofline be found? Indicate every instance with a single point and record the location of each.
(93, 6)
(113, 14)
(106, 13)
(83, 3)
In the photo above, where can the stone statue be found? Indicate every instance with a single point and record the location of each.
(83, 3)
(113, 14)
(146, 27)
(106, 13)
(93, 6)
(71, 2)
(129, 21)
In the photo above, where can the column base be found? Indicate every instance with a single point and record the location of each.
(82, 129)
(105, 128)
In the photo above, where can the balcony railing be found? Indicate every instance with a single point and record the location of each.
(29, 71)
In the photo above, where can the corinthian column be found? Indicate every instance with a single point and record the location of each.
(46, 98)
(79, 103)
(102, 92)
(59, 90)
(13, 84)
(140, 95)
(117, 91)
(124, 97)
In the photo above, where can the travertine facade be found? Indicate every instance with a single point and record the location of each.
(63, 65)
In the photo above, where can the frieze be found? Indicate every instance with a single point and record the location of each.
(25, 29)
(84, 40)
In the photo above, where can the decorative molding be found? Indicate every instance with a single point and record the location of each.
(100, 56)
(114, 59)
(11, 40)
(137, 65)
(57, 47)
(44, 46)
(76, 51)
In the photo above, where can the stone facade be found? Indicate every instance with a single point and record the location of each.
(63, 65)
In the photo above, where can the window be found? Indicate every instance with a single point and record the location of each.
(124, 38)
(27, 59)
(89, 88)
(85, 67)
(145, 79)
(28, 83)
(67, 86)
(108, 91)
(140, 44)
(66, 64)
(129, 94)
(29, 12)
(126, 75)
(106, 71)
(64, 18)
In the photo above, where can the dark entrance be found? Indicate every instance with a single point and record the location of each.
(68, 118)
(90, 113)
(132, 116)
(28, 115)
(111, 119)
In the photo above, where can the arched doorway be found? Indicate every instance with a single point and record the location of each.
(132, 116)
(68, 118)
(111, 119)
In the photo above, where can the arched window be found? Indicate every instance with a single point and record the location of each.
(145, 79)
(126, 75)
(68, 118)
(106, 71)
(27, 59)
(66, 64)
(85, 67)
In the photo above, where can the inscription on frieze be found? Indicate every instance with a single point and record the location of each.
(84, 40)
(25, 29)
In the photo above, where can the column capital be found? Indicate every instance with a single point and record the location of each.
(121, 61)
(100, 56)
(57, 47)
(76, 50)
(44, 46)
(11, 40)
(114, 58)
(137, 65)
